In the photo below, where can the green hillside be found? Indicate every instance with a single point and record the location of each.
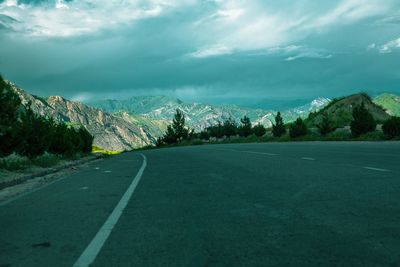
(390, 102)
(339, 111)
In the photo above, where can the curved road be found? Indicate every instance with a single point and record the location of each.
(288, 204)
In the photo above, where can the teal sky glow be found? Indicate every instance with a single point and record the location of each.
(241, 52)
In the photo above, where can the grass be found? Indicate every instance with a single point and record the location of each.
(96, 149)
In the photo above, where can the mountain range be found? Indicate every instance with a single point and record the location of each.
(199, 116)
(119, 125)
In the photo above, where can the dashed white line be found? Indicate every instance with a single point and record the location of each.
(306, 158)
(260, 153)
(376, 169)
(92, 250)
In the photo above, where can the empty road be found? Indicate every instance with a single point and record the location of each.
(279, 204)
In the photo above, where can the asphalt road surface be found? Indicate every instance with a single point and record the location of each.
(289, 204)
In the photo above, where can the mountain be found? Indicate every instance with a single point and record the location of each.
(199, 116)
(340, 110)
(390, 102)
(111, 132)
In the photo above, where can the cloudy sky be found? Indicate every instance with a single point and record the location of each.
(219, 51)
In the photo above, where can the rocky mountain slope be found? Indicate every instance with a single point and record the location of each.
(200, 116)
(390, 102)
(340, 111)
(110, 132)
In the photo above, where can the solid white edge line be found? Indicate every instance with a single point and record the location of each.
(92, 250)
(376, 169)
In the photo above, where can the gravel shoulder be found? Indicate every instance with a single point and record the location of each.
(13, 184)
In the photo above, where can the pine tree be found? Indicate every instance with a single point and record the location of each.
(229, 128)
(298, 128)
(245, 127)
(325, 126)
(362, 122)
(278, 129)
(391, 127)
(178, 126)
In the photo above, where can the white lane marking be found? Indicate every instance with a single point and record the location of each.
(107, 171)
(97, 168)
(92, 250)
(260, 153)
(376, 169)
(305, 158)
(84, 188)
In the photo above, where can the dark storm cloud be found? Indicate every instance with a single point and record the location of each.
(212, 51)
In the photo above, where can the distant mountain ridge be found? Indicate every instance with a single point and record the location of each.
(110, 132)
(200, 116)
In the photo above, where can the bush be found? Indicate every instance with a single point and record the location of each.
(362, 122)
(298, 128)
(259, 130)
(46, 160)
(391, 127)
(14, 162)
(278, 129)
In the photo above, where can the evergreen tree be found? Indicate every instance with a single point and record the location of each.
(298, 128)
(229, 128)
(259, 130)
(278, 129)
(325, 126)
(391, 127)
(178, 125)
(362, 122)
(177, 131)
(9, 110)
(244, 129)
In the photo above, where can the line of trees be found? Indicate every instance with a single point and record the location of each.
(28, 134)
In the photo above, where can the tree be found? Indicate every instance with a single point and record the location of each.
(325, 126)
(178, 126)
(245, 127)
(278, 129)
(177, 131)
(362, 122)
(259, 130)
(391, 127)
(297, 128)
(9, 109)
(229, 128)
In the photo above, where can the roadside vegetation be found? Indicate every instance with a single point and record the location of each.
(28, 139)
(362, 127)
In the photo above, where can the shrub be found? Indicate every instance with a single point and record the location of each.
(259, 130)
(362, 122)
(278, 129)
(391, 127)
(297, 128)
(46, 160)
(14, 162)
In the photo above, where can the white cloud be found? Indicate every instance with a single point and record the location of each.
(211, 51)
(389, 46)
(66, 19)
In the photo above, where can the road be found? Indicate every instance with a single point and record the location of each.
(288, 204)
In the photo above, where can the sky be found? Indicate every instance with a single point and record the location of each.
(248, 52)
